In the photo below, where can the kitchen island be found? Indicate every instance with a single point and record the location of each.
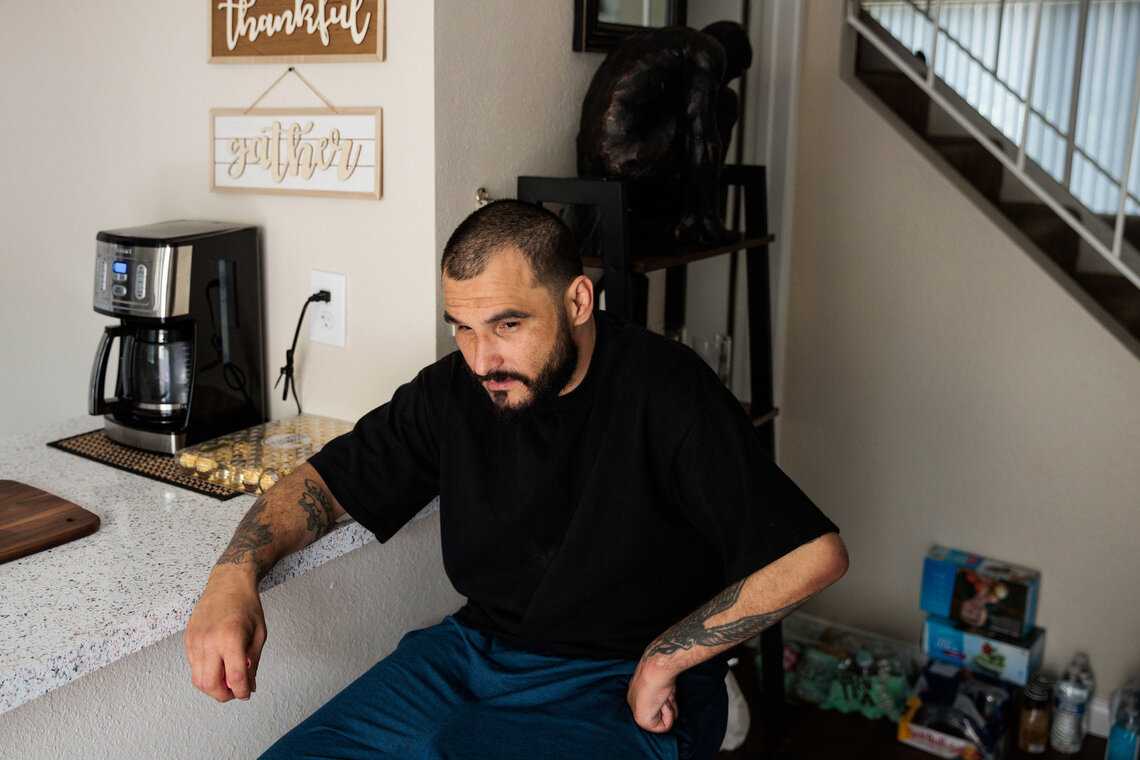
(107, 612)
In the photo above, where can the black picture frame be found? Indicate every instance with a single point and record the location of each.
(595, 36)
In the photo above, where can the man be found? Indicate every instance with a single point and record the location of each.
(597, 485)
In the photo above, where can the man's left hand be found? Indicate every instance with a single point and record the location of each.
(653, 700)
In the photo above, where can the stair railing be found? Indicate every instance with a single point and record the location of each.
(931, 15)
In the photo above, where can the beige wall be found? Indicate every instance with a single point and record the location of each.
(940, 387)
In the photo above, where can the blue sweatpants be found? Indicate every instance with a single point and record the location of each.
(450, 692)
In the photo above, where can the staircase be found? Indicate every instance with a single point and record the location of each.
(1110, 296)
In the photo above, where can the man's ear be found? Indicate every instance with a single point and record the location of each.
(579, 300)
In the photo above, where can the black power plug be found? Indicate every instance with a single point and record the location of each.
(287, 371)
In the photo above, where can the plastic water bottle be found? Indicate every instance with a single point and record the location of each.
(1124, 737)
(1071, 699)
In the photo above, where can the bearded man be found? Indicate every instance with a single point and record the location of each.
(605, 508)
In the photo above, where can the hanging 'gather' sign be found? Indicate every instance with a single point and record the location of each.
(297, 151)
(271, 31)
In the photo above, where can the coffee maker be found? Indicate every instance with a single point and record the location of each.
(191, 353)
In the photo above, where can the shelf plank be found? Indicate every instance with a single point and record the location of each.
(760, 417)
(811, 732)
(685, 254)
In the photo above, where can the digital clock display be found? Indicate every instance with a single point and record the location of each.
(119, 267)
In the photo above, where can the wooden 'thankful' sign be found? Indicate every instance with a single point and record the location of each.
(272, 31)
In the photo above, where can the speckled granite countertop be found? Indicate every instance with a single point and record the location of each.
(70, 610)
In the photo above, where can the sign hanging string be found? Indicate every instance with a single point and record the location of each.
(292, 70)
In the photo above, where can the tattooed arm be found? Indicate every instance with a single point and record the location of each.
(227, 628)
(741, 611)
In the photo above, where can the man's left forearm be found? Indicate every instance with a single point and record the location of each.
(738, 613)
(698, 634)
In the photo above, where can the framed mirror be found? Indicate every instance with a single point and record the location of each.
(600, 24)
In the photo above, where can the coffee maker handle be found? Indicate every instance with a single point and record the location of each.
(96, 404)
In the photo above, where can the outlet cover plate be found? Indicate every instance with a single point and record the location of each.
(327, 319)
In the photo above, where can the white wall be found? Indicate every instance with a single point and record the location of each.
(940, 387)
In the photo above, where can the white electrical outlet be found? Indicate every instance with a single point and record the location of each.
(327, 318)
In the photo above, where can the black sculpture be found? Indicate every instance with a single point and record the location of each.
(659, 115)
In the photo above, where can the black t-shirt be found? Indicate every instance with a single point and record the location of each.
(599, 520)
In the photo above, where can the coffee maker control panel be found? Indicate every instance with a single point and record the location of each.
(140, 281)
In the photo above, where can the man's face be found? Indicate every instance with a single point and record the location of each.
(515, 339)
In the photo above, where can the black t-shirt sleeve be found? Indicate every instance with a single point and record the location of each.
(725, 481)
(387, 468)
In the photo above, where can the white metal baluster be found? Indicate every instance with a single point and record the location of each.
(1118, 236)
(1075, 100)
(997, 45)
(933, 42)
(1028, 103)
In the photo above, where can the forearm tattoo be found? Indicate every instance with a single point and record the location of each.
(318, 508)
(254, 534)
(693, 631)
(251, 535)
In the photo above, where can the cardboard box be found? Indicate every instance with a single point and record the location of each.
(1010, 659)
(982, 593)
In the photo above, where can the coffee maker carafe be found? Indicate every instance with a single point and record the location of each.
(190, 365)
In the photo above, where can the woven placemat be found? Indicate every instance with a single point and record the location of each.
(98, 447)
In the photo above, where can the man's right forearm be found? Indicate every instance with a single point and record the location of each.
(226, 631)
(297, 511)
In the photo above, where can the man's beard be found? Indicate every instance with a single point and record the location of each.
(546, 385)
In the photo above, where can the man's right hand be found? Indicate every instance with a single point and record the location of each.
(225, 635)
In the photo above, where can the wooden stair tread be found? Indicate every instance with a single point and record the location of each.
(973, 161)
(1049, 232)
(1117, 295)
(905, 97)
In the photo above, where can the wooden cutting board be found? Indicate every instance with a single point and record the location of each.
(32, 520)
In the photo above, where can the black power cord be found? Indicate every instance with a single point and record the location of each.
(287, 370)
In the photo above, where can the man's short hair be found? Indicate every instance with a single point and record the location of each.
(542, 237)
